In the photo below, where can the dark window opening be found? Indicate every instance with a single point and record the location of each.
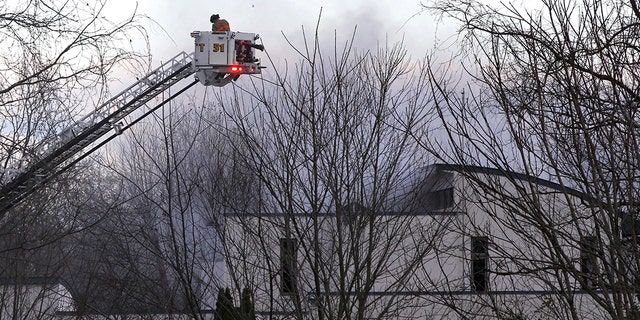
(588, 265)
(354, 216)
(479, 264)
(288, 265)
(439, 199)
(630, 227)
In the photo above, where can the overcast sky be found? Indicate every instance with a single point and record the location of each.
(375, 21)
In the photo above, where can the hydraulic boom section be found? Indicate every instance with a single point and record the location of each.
(103, 120)
(218, 59)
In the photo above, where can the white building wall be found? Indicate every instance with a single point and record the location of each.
(34, 301)
(435, 246)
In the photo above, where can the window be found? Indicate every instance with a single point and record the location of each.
(353, 215)
(588, 266)
(439, 199)
(479, 264)
(630, 233)
(630, 227)
(288, 265)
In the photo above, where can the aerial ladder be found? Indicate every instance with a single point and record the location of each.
(218, 59)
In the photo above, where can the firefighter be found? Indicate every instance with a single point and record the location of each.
(244, 53)
(218, 25)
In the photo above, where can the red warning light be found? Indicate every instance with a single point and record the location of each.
(236, 69)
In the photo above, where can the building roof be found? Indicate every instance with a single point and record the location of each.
(413, 185)
(511, 175)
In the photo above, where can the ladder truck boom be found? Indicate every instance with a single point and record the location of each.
(218, 59)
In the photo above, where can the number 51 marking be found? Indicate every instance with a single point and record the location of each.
(218, 47)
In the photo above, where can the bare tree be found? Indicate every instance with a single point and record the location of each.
(56, 60)
(330, 145)
(174, 170)
(550, 90)
(56, 57)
